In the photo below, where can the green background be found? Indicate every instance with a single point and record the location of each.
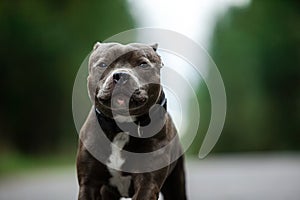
(257, 50)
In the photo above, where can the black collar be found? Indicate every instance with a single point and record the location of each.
(110, 127)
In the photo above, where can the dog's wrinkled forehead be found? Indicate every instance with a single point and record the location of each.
(110, 52)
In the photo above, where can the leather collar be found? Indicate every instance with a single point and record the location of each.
(110, 127)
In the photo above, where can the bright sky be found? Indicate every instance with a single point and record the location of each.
(195, 19)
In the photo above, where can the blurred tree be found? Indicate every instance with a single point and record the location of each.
(42, 46)
(257, 50)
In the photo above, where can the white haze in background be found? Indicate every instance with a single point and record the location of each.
(195, 19)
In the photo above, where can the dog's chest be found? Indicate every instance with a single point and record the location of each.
(115, 162)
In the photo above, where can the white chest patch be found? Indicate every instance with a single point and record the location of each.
(120, 118)
(115, 162)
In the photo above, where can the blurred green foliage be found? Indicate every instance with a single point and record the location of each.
(12, 163)
(43, 43)
(257, 50)
(42, 46)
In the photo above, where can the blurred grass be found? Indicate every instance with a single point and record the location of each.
(13, 162)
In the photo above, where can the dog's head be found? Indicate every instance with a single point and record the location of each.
(124, 78)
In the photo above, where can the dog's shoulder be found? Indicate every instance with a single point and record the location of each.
(90, 128)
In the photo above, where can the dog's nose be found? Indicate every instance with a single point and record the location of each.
(120, 77)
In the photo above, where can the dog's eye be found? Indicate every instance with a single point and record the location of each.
(143, 65)
(102, 65)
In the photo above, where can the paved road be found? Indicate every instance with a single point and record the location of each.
(227, 177)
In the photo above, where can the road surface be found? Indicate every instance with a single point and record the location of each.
(226, 177)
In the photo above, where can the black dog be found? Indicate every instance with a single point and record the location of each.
(124, 84)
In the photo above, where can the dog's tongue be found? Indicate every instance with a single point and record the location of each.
(121, 101)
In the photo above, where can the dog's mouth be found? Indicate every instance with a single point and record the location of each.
(123, 101)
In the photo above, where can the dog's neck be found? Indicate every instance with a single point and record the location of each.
(111, 128)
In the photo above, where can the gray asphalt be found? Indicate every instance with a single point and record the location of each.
(222, 177)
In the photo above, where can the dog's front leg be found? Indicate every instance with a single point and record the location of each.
(89, 193)
(147, 185)
(90, 175)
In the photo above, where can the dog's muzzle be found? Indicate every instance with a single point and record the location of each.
(121, 90)
(120, 78)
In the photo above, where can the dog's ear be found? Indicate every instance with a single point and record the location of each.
(96, 45)
(154, 46)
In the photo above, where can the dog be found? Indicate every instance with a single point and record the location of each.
(129, 108)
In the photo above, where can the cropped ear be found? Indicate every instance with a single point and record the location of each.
(96, 45)
(154, 46)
